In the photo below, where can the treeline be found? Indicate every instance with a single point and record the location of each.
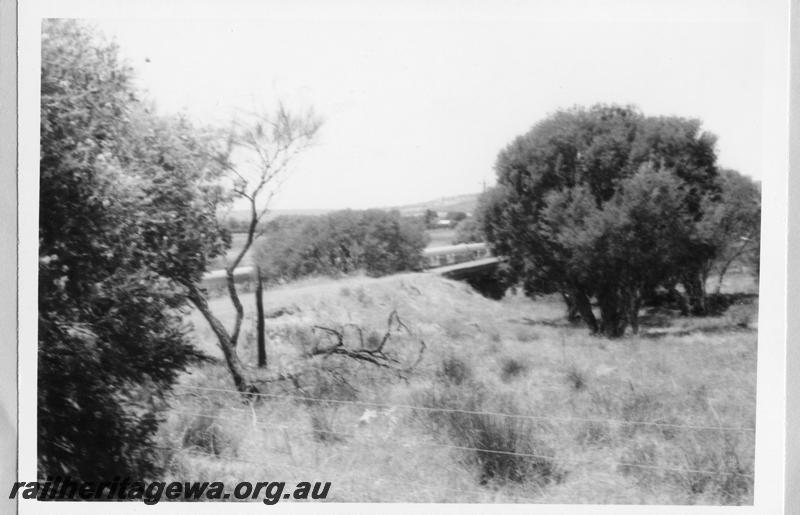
(374, 241)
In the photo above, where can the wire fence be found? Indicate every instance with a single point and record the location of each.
(368, 404)
(226, 415)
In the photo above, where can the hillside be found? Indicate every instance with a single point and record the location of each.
(465, 203)
(597, 421)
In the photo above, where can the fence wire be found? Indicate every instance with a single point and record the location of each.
(410, 444)
(369, 404)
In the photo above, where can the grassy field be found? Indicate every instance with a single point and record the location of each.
(661, 417)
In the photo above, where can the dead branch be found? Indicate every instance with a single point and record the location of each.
(361, 352)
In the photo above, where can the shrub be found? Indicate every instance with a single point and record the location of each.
(454, 370)
(512, 368)
(327, 383)
(127, 210)
(576, 378)
(205, 433)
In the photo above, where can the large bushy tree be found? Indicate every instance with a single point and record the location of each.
(128, 206)
(605, 203)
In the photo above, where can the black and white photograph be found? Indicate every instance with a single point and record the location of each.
(445, 253)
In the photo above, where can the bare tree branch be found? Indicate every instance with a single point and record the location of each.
(361, 351)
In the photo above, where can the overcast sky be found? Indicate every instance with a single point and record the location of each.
(417, 107)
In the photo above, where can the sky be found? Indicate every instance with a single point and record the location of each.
(417, 106)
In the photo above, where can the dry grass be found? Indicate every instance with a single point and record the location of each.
(608, 407)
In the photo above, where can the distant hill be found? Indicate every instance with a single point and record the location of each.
(465, 203)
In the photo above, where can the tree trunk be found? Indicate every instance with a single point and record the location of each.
(237, 304)
(237, 371)
(722, 273)
(634, 304)
(614, 314)
(584, 307)
(681, 299)
(260, 337)
(573, 316)
(696, 291)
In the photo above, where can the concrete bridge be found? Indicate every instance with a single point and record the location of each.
(478, 273)
(462, 271)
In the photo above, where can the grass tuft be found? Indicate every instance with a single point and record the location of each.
(512, 368)
(327, 383)
(204, 433)
(576, 378)
(454, 370)
(505, 449)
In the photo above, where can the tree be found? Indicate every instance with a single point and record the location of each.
(456, 216)
(258, 154)
(392, 243)
(572, 212)
(619, 251)
(430, 218)
(468, 230)
(732, 223)
(374, 241)
(126, 199)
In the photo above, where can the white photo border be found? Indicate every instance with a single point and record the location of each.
(771, 369)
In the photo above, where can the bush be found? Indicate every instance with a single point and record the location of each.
(468, 230)
(454, 371)
(204, 433)
(327, 382)
(576, 378)
(127, 209)
(512, 368)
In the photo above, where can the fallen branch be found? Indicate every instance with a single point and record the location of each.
(362, 352)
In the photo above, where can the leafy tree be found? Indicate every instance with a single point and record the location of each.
(430, 218)
(572, 212)
(125, 202)
(619, 251)
(342, 242)
(391, 243)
